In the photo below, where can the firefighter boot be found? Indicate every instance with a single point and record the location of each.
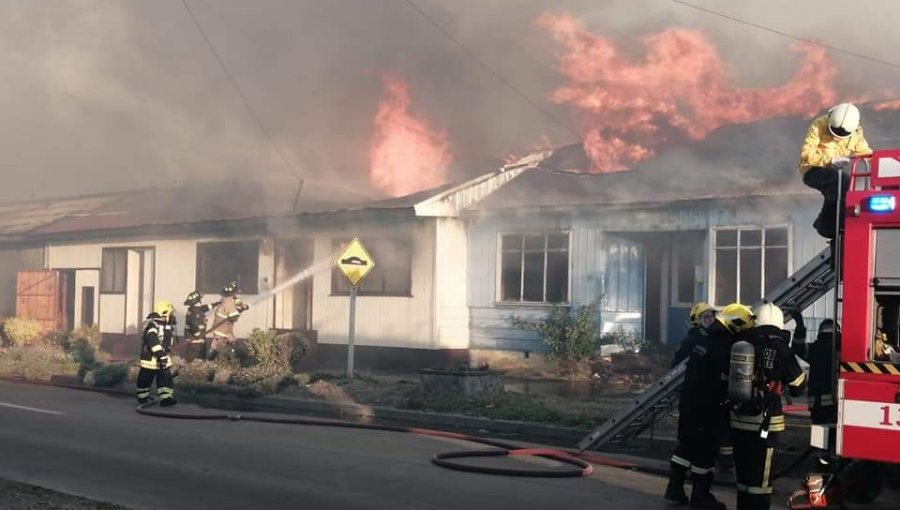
(167, 401)
(701, 497)
(675, 490)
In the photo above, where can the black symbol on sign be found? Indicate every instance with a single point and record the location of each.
(354, 261)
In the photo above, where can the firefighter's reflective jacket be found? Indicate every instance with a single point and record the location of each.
(775, 369)
(227, 313)
(156, 342)
(693, 337)
(195, 320)
(705, 388)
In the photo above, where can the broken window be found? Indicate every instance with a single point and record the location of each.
(113, 270)
(221, 262)
(749, 262)
(534, 268)
(392, 274)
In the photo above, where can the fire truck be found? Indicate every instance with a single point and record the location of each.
(866, 437)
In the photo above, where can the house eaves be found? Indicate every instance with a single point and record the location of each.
(454, 201)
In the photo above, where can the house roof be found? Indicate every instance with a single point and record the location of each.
(733, 162)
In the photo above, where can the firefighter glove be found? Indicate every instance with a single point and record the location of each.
(163, 361)
(839, 161)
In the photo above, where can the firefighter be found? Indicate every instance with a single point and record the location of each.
(701, 317)
(701, 418)
(155, 364)
(195, 319)
(227, 312)
(830, 141)
(757, 420)
(822, 407)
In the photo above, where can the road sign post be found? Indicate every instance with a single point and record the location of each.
(354, 262)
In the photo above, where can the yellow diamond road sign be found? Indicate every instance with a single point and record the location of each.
(354, 262)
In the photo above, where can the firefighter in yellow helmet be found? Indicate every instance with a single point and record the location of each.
(702, 417)
(830, 141)
(701, 317)
(757, 420)
(157, 341)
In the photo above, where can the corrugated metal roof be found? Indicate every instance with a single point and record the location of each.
(188, 205)
(23, 217)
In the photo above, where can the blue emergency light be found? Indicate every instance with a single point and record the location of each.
(881, 203)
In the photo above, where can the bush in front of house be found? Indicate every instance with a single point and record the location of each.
(38, 361)
(107, 376)
(269, 349)
(18, 332)
(569, 334)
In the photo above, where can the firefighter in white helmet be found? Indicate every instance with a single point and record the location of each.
(830, 141)
(157, 341)
(757, 419)
(702, 415)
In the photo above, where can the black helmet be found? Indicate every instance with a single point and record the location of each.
(827, 326)
(193, 298)
(230, 288)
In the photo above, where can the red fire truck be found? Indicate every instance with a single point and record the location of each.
(868, 374)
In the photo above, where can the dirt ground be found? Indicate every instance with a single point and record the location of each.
(18, 496)
(405, 393)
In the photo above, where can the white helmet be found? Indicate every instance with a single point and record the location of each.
(768, 314)
(843, 120)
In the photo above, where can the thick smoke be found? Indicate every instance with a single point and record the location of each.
(101, 95)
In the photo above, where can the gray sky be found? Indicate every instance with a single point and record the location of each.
(101, 95)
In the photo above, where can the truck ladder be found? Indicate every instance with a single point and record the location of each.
(798, 292)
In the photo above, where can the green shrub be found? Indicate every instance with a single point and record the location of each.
(568, 337)
(266, 349)
(107, 376)
(195, 372)
(261, 380)
(18, 332)
(38, 361)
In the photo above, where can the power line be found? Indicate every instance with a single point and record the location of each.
(246, 102)
(788, 35)
(491, 70)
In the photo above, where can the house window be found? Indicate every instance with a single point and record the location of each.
(113, 270)
(221, 262)
(624, 288)
(749, 263)
(688, 258)
(534, 268)
(392, 274)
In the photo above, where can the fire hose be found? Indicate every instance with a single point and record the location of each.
(582, 463)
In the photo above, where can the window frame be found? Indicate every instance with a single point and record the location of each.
(197, 266)
(712, 236)
(102, 289)
(405, 238)
(498, 283)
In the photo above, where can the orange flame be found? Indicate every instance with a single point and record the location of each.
(405, 155)
(627, 108)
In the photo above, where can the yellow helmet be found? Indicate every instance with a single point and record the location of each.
(736, 317)
(698, 310)
(164, 309)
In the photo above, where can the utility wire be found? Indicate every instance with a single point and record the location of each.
(247, 104)
(491, 70)
(788, 35)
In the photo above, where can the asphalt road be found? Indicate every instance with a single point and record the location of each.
(97, 446)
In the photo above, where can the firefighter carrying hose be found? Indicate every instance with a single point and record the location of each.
(702, 413)
(762, 366)
(155, 365)
(830, 141)
(227, 312)
(195, 319)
